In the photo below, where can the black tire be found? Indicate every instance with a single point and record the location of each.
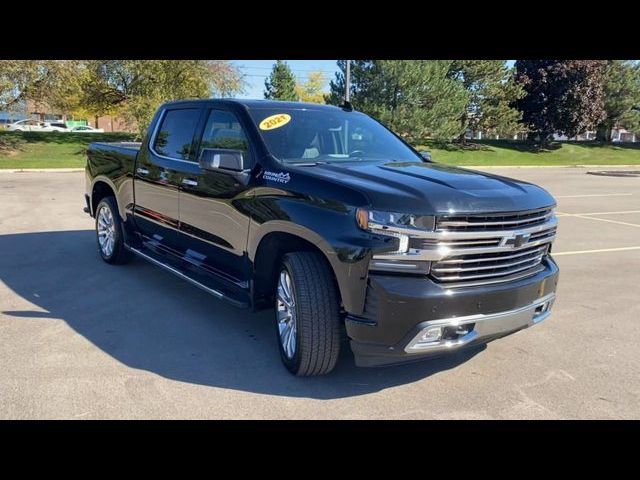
(317, 314)
(119, 254)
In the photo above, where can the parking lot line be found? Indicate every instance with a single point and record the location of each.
(599, 213)
(599, 219)
(577, 252)
(595, 195)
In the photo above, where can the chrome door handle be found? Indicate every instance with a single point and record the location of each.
(190, 182)
(142, 171)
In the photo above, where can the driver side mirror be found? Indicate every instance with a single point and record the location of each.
(221, 159)
(426, 155)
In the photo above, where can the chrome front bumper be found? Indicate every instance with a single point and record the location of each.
(479, 327)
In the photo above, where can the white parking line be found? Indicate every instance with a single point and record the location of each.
(577, 252)
(598, 213)
(595, 195)
(600, 219)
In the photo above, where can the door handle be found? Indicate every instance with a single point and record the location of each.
(142, 171)
(190, 182)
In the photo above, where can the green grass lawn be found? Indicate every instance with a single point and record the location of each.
(65, 150)
(507, 152)
(49, 149)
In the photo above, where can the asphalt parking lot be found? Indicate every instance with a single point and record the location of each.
(82, 339)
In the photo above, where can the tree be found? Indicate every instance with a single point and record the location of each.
(54, 82)
(562, 96)
(132, 88)
(415, 98)
(281, 84)
(362, 74)
(492, 90)
(311, 90)
(621, 97)
(135, 88)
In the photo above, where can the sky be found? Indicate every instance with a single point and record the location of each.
(256, 71)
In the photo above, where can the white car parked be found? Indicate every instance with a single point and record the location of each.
(86, 129)
(35, 126)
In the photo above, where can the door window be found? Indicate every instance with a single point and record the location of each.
(174, 138)
(223, 130)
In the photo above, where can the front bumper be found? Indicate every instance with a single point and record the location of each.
(400, 310)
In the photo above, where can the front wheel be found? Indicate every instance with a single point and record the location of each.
(307, 314)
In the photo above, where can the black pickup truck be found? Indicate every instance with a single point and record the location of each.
(323, 214)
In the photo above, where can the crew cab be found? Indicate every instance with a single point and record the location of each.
(333, 221)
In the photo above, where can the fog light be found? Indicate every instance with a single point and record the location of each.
(432, 334)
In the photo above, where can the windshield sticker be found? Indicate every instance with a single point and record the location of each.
(279, 177)
(275, 121)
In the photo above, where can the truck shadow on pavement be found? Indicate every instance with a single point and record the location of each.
(147, 319)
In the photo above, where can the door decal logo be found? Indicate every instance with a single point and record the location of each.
(279, 177)
(275, 121)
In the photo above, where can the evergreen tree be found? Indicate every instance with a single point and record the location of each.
(492, 90)
(562, 96)
(414, 98)
(621, 97)
(362, 73)
(281, 84)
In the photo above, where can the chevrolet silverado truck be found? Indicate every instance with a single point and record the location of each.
(332, 220)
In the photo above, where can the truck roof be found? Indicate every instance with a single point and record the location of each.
(256, 103)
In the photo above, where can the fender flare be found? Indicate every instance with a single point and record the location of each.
(344, 275)
(109, 182)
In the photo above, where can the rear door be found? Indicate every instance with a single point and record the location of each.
(213, 221)
(159, 172)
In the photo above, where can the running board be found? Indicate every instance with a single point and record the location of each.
(184, 276)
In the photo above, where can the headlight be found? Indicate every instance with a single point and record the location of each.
(401, 226)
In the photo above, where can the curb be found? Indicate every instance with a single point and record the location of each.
(42, 170)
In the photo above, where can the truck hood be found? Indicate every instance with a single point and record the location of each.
(431, 189)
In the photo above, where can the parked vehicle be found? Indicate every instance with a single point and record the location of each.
(86, 129)
(30, 125)
(59, 127)
(326, 216)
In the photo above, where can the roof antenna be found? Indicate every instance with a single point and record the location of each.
(346, 105)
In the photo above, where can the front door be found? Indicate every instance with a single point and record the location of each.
(159, 171)
(213, 225)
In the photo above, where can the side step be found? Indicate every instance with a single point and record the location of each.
(207, 285)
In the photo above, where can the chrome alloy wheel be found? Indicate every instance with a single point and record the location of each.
(106, 230)
(286, 312)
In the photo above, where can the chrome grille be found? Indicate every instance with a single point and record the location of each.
(480, 248)
(494, 221)
(487, 265)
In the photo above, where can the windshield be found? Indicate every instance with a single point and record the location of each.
(302, 135)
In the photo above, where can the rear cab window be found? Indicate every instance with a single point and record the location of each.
(174, 137)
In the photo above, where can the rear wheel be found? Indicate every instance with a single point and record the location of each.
(109, 233)
(307, 314)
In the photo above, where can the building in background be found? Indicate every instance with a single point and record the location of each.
(42, 112)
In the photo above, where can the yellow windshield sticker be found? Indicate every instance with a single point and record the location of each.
(275, 121)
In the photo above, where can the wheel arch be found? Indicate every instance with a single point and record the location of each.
(278, 237)
(102, 187)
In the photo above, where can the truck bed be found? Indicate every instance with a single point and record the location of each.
(115, 146)
(113, 159)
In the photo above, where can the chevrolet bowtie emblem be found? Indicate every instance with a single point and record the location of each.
(516, 241)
